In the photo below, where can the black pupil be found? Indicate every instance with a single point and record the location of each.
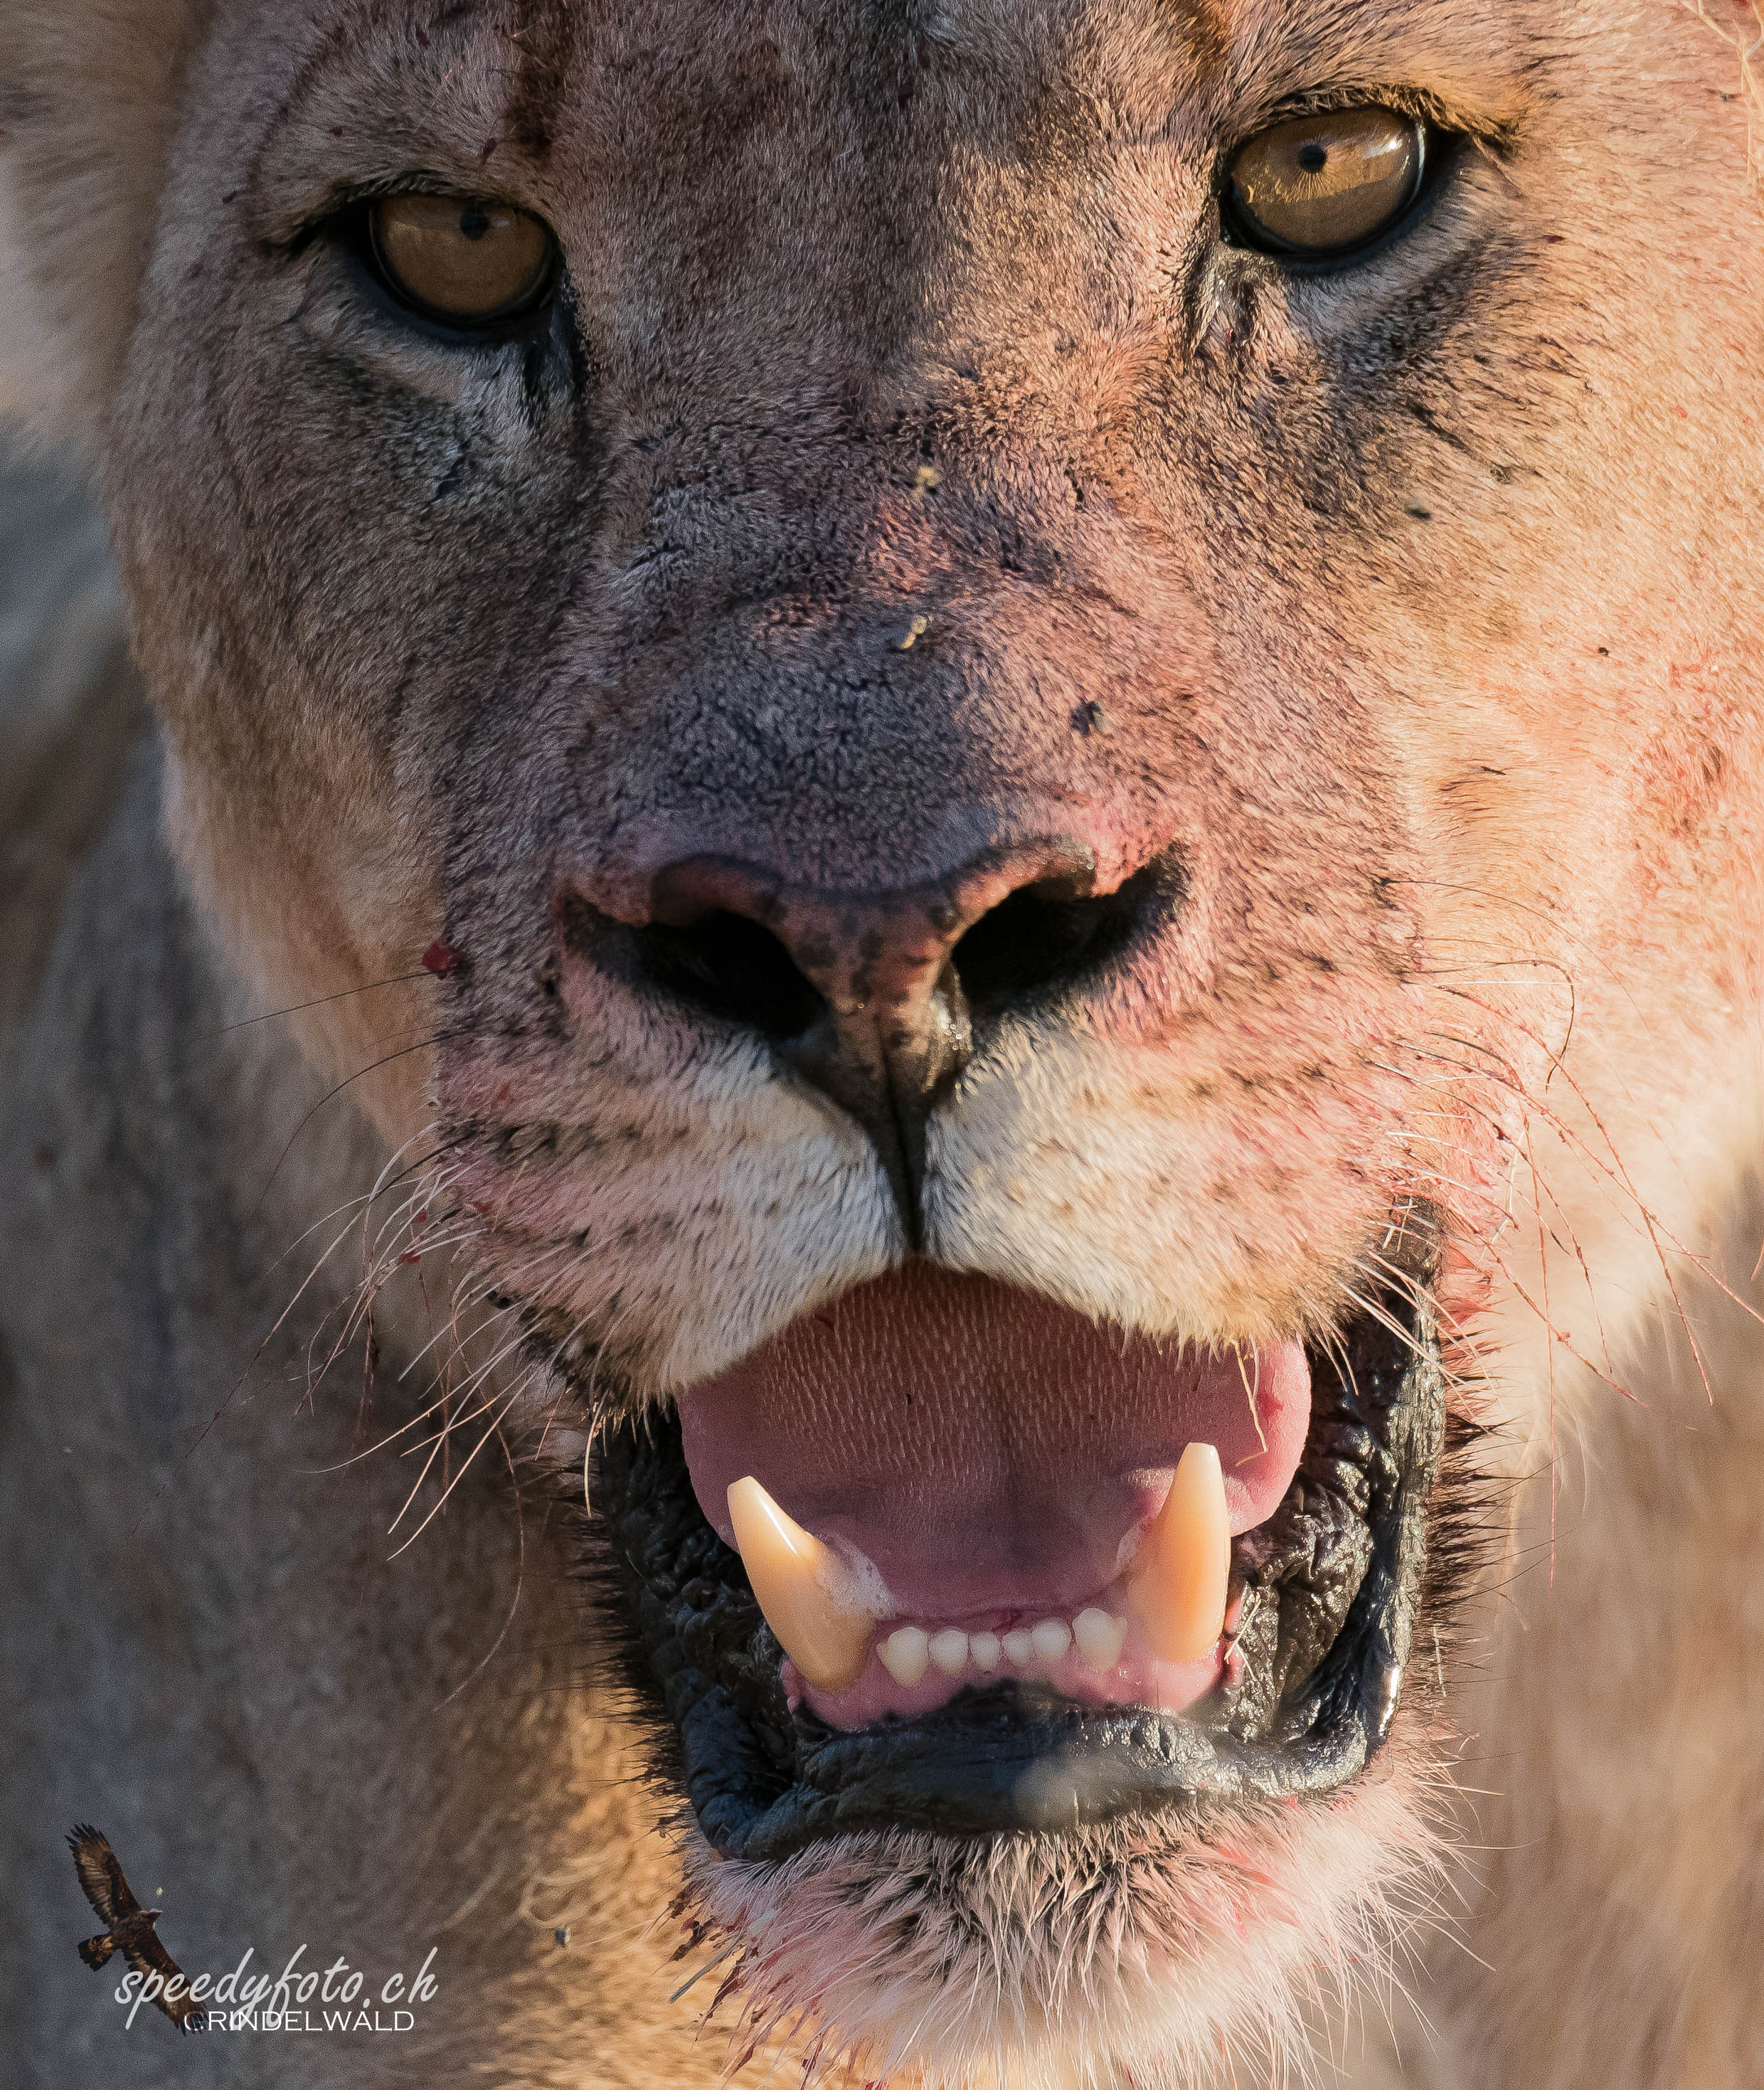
(1313, 158)
(474, 223)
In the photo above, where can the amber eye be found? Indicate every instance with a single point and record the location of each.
(461, 260)
(1323, 185)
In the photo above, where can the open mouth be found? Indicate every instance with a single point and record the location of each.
(945, 1555)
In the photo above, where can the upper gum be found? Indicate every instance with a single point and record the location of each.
(1027, 1620)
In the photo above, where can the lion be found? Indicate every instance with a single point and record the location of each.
(882, 1050)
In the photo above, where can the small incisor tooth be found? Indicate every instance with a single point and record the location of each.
(803, 1587)
(1177, 1584)
(1050, 1640)
(905, 1653)
(949, 1651)
(1100, 1637)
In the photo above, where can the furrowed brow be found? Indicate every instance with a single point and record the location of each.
(1454, 66)
(544, 37)
(460, 92)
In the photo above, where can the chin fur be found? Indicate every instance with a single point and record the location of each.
(1135, 1952)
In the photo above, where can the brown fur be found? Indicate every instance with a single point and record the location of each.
(1419, 605)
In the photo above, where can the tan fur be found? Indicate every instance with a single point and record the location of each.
(1465, 761)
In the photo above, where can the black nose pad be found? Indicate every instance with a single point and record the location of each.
(1040, 940)
(871, 997)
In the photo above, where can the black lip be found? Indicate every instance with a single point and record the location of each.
(1343, 1559)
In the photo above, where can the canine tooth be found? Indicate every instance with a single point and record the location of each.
(1177, 1585)
(1050, 1640)
(1019, 1647)
(905, 1653)
(1100, 1637)
(949, 1651)
(986, 1648)
(805, 1589)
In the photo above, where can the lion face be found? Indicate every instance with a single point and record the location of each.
(1059, 690)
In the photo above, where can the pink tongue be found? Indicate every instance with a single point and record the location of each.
(986, 1448)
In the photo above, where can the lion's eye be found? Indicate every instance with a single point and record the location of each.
(1319, 186)
(461, 260)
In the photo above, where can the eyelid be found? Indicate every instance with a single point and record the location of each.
(345, 199)
(1496, 125)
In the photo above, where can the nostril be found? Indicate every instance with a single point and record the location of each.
(732, 968)
(1044, 936)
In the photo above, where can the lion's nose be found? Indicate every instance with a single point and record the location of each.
(872, 996)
